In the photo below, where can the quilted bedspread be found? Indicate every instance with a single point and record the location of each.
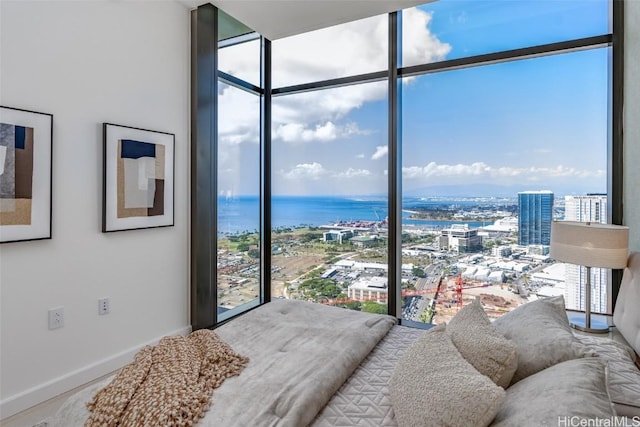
(364, 399)
(300, 354)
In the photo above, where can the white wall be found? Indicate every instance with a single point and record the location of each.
(123, 62)
(632, 123)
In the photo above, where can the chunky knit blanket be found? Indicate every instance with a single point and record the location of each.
(170, 384)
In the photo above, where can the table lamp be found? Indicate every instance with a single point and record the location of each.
(589, 244)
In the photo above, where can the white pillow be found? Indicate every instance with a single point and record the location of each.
(541, 331)
(432, 385)
(624, 375)
(626, 316)
(565, 394)
(482, 345)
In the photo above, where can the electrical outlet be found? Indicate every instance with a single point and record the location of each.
(103, 306)
(56, 318)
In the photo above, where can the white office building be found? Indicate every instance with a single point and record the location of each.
(593, 208)
(460, 238)
(369, 289)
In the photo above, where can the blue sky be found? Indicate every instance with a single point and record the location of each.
(534, 124)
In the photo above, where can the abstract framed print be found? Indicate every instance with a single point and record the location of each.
(138, 181)
(25, 175)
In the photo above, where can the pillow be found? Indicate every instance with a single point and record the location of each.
(541, 331)
(482, 345)
(575, 388)
(432, 385)
(624, 376)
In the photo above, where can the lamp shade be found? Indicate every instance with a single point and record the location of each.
(590, 244)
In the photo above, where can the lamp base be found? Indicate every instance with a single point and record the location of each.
(597, 327)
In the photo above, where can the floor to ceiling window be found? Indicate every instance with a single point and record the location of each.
(238, 198)
(491, 155)
(329, 157)
(504, 121)
(329, 197)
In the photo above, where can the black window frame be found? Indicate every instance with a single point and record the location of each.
(204, 87)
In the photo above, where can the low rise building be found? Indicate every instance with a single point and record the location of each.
(538, 250)
(501, 251)
(552, 275)
(364, 241)
(339, 236)
(369, 289)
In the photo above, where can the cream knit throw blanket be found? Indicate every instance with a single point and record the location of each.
(167, 385)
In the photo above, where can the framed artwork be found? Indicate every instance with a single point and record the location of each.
(138, 178)
(25, 175)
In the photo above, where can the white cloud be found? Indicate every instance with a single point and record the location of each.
(381, 151)
(322, 132)
(315, 171)
(419, 45)
(312, 110)
(482, 170)
(343, 50)
(352, 173)
(238, 116)
(360, 156)
(355, 48)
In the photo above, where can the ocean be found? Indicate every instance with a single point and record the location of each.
(240, 214)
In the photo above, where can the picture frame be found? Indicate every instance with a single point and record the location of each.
(138, 178)
(26, 165)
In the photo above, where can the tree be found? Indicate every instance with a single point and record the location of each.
(418, 272)
(319, 289)
(352, 305)
(374, 307)
(254, 253)
(309, 237)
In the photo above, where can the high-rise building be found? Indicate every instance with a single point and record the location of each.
(589, 208)
(535, 213)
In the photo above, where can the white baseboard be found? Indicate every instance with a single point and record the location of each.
(50, 389)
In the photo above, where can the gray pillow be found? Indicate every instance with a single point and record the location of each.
(482, 345)
(541, 331)
(432, 385)
(575, 388)
(624, 375)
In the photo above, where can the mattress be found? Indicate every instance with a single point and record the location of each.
(363, 399)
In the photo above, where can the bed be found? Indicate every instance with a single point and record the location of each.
(325, 366)
(300, 355)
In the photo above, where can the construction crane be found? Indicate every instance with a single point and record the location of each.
(459, 284)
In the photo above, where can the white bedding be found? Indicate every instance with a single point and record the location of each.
(364, 399)
(300, 354)
(623, 375)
